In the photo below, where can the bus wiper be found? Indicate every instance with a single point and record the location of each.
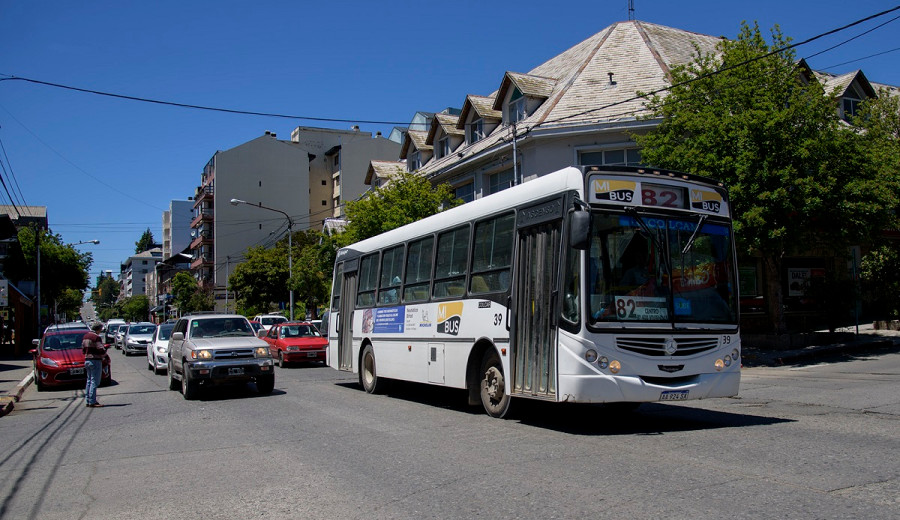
(631, 210)
(690, 242)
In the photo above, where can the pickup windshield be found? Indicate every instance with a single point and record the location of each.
(657, 269)
(220, 327)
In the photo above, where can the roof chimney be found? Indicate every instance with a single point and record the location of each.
(355, 128)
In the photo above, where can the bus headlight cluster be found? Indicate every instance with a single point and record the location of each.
(603, 362)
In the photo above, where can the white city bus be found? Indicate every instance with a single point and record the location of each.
(591, 284)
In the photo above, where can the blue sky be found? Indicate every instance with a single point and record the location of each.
(106, 168)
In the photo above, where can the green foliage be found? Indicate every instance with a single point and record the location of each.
(136, 308)
(406, 198)
(62, 266)
(798, 177)
(145, 242)
(260, 281)
(70, 303)
(188, 296)
(106, 292)
(879, 272)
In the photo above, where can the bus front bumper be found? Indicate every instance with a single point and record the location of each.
(602, 388)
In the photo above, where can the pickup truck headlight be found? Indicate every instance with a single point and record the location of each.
(263, 352)
(201, 354)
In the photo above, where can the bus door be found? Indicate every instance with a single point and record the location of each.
(344, 325)
(537, 274)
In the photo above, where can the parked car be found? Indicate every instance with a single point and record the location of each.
(110, 331)
(211, 349)
(137, 337)
(120, 335)
(267, 320)
(158, 349)
(296, 341)
(72, 325)
(257, 326)
(59, 360)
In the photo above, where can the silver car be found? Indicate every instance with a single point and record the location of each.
(158, 349)
(137, 337)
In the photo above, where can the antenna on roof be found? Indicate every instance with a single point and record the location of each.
(630, 10)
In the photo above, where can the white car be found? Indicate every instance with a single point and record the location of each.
(267, 320)
(158, 349)
(137, 337)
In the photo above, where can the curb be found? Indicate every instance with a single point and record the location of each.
(786, 357)
(8, 401)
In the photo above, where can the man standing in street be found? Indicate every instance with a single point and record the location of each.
(93, 349)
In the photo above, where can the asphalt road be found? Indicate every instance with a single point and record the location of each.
(817, 441)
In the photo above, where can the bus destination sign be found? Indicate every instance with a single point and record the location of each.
(627, 192)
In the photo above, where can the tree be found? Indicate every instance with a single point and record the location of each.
(188, 296)
(145, 243)
(880, 274)
(797, 176)
(70, 303)
(406, 198)
(62, 266)
(106, 292)
(136, 308)
(261, 279)
(312, 270)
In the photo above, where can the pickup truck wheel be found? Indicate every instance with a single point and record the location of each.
(265, 384)
(188, 387)
(173, 383)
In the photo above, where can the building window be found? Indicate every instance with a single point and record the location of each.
(444, 146)
(337, 162)
(517, 107)
(466, 192)
(850, 107)
(500, 181)
(612, 157)
(412, 163)
(475, 131)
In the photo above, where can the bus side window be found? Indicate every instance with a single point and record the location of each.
(418, 270)
(368, 281)
(452, 255)
(492, 255)
(391, 265)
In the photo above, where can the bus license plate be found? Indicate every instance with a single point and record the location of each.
(76, 371)
(239, 371)
(674, 395)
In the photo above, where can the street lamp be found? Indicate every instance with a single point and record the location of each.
(95, 242)
(235, 202)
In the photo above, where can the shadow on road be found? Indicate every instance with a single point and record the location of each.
(582, 419)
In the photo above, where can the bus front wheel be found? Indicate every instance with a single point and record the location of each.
(493, 386)
(368, 377)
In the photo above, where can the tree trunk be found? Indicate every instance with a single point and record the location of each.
(774, 293)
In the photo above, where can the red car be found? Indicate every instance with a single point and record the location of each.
(296, 341)
(58, 360)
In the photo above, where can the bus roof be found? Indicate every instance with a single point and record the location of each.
(560, 181)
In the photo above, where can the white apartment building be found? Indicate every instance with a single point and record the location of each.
(133, 272)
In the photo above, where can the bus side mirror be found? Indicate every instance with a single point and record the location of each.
(579, 230)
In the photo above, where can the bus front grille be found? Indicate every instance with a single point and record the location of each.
(667, 346)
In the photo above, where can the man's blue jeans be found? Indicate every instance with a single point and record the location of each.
(94, 369)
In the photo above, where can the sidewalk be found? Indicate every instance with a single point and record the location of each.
(16, 374)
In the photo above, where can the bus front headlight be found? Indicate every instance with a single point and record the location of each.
(591, 355)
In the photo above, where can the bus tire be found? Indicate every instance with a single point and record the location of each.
(493, 387)
(368, 375)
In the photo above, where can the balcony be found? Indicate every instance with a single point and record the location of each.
(204, 194)
(202, 238)
(204, 215)
(202, 260)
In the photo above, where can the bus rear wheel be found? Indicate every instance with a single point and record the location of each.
(493, 386)
(368, 376)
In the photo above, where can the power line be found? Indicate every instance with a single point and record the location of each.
(895, 49)
(13, 174)
(10, 77)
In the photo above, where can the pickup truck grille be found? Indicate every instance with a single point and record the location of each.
(235, 353)
(656, 346)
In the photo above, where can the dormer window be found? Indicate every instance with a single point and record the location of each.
(850, 107)
(475, 131)
(413, 162)
(444, 146)
(517, 106)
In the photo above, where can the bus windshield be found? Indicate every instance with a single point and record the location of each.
(658, 269)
